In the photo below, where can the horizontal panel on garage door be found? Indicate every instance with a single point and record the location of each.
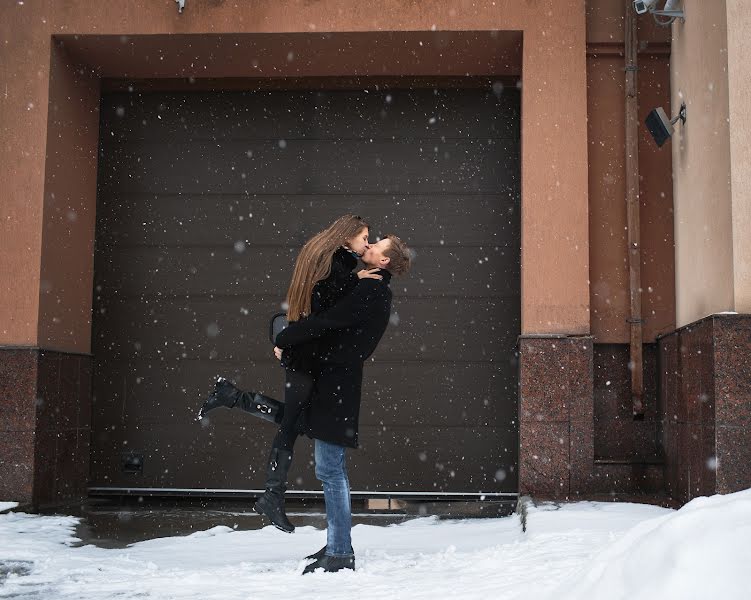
(231, 454)
(265, 271)
(315, 166)
(439, 393)
(210, 328)
(204, 202)
(316, 115)
(187, 220)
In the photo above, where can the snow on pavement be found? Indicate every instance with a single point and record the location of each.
(579, 551)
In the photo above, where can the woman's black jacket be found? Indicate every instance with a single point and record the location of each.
(327, 292)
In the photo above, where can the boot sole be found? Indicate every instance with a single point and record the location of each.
(204, 411)
(336, 570)
(263, 514)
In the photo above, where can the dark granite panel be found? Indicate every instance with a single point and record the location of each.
(44, 459)
(70, 390)
(18, 389)
(67, 407)
(615, 479)
(733, 370)
(45, 476)
(693, 459)
(580, 352)
(669, 378)
(681, 488)
(651, 397)
(49, 414)
(17, 466)
(544, 459)
(581, 457)
(543, 380)
(83, 462)
(612, 380)
(683, 448)
(707, 418)
(612, 402)
(557, 415)
(709, 458)
(669, 369)
(696, 371)
(84, 407)
(555, 378)
(614, 439)
(617, 435)
(734, 456)
(626, 439)
(68, 483)
(670, 443)
(101, 468)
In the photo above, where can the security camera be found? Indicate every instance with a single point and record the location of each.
(642, 6)
(669, 13)
(661, 126)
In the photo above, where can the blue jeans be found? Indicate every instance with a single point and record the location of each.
(331, 470)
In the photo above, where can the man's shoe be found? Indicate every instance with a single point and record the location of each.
(271, 504)
(331, 564)
(321, 553)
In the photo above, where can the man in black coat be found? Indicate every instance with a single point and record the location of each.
(347, 335)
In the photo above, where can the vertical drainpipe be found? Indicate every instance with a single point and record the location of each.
(632, 214)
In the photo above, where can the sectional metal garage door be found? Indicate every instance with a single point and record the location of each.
(204, 199)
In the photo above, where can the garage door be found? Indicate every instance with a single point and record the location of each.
(204, 200)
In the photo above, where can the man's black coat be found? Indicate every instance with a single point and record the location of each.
(347, 335)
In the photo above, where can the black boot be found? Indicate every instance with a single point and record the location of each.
(331, 564)
(224, 394)
(321, 553)
(228, 395)
(271, 504)
(263, 407)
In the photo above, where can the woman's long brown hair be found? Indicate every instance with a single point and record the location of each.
(314, 263)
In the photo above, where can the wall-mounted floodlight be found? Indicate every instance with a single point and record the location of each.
(180, 5)
(670, 10)
(661, 126)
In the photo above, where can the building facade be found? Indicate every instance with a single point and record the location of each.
(162, 168)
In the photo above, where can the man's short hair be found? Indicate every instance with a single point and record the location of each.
(399, 255)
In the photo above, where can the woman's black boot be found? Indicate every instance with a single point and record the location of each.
(224, 394)
(261, 406)
(228, 395)
(271, 504)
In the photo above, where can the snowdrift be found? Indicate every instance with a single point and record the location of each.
(701, 551)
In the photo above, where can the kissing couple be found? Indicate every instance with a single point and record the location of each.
(336, 318)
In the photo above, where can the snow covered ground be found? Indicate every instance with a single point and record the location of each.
(578, 551)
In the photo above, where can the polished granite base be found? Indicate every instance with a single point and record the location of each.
(705, 389)
(45, 425)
